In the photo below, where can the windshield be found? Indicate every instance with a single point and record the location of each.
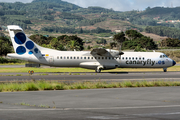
(163, 56)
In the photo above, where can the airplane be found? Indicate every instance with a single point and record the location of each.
(98, 59)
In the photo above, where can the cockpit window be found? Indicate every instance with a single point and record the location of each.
(163, 56)
(166, 56)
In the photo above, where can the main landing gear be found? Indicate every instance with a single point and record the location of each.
(98, 69)
(165, 69)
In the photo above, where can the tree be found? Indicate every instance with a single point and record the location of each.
(71, 42)
(170, 42)
(40, 39)
(133, 34)
(138, 42)
(113, 44)
(119, 39)
(73, 45)
(5, 46)
(89, 47)
(101, 41)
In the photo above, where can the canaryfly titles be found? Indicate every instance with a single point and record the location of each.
(147, 62)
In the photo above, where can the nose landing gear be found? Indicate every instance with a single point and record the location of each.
(165, 69)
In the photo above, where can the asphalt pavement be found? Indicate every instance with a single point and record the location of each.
(157, 103)
(118, 76)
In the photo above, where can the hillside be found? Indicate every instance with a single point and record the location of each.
(45, 13)
(59, 17)
(154, 36)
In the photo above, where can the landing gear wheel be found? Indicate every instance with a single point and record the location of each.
(98, 70)
(165, 69)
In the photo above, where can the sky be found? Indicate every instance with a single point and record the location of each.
(118, 5)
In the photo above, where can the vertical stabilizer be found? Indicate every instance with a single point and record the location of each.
(21, 43)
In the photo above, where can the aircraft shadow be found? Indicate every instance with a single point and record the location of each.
(117, 72)
(93, 72)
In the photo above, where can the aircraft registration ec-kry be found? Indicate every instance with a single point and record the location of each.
(97, 59)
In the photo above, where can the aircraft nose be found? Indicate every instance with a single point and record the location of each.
(174, 63)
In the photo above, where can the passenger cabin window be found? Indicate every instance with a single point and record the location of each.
(84, 57)
(77, 57)
(60, 57)
(139, 58)
(130, 58)
(74, 57)
(143, 58)
(133, 58)
(160, 56)
(67, 57)
(57, 57)
(126, 58)
(136, 58)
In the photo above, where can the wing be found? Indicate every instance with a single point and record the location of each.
(105, 52)
(100, 52)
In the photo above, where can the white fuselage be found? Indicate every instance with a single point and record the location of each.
(86, 60)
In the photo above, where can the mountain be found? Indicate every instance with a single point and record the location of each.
(162, 12)
(53, 11)
(64, 16)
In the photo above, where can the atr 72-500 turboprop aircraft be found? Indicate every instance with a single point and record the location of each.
(97, 59)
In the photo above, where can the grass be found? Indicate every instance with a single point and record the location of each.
(54, 85)
(71, 70)
(26, 104)
(18, 75)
